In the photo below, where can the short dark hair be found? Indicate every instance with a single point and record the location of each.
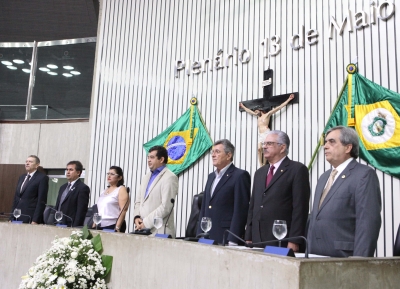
(78, 166)
(120, 173)
(36, 158)
(228, 146)
(161, 152)
(348, 136)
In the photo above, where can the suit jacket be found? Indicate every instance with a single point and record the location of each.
(157, 203)
(32, 200)
(75, 204)
(286, 198)
(229, 204)
(349, 220)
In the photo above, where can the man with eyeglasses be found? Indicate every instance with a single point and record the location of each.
(73, 197)
(281, 191)
(226, 195)
(345, 219)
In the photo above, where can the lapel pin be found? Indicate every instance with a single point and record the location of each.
(281, 171)
(343, 176)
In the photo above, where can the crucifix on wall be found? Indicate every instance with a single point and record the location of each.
(265, 107)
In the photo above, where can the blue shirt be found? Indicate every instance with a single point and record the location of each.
(154, 174)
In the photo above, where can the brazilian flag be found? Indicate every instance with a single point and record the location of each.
(186, 140)
(373, 111)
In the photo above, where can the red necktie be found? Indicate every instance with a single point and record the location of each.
(270, 175)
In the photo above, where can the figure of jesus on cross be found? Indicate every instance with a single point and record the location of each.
(263, 119)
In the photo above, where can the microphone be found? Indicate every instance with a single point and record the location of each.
(237, 237)
(166, 223)
(122, 211)
(11, 214)
(64, 215)
(251, 245)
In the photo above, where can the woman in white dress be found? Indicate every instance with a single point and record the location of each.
(113, 202)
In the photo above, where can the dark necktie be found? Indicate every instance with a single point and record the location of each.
(270, 175)
(27, 178)
(64, 195)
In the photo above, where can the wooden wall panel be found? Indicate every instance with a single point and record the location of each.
(9, 175)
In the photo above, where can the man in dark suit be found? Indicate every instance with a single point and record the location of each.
(345, 220)
(31, 192)
(73, 197)
(226, 195)
(281, 191)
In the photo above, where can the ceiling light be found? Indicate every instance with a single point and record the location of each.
(6, 62)
(26, 70)
(11, 67)
(75, 72)
(68, 67)
(18, 61)
(33, 107)
(67, 74)
(52, 73)
(44, 69)
(52, 66)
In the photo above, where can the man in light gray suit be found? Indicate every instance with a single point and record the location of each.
(345, 220)
(157, 189)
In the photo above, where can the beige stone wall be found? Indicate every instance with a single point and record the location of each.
(54, 143)
(147, 262)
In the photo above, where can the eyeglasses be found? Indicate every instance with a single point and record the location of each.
(112, 174)
(270, 143)
(216, 152)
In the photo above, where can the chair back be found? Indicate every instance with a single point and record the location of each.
(48, 215)
(396, 246)
(193, 222)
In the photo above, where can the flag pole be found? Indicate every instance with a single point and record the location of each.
(322, 134)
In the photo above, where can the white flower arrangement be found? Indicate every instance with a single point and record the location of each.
(71, 262)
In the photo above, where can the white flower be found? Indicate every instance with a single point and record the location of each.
(71, 279)
(29, 284)
(74, 255)
(61, 281)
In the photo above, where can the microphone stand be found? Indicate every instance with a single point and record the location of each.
(166, 223)
(61, 212)
(30, 219)
(11, 214)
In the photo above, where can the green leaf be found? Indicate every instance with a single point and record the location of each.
(107, 262)
(86, 233)
(97, 245)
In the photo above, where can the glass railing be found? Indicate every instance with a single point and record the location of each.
(46, 80)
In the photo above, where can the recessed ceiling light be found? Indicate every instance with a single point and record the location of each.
(11, 67)
(67, 74)
(26, 70)
(18, 61)
(44, 69)
(68, 67)
(33, 107)
(6, 62)
(52, 66)
(52, 73)
(75, 72)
